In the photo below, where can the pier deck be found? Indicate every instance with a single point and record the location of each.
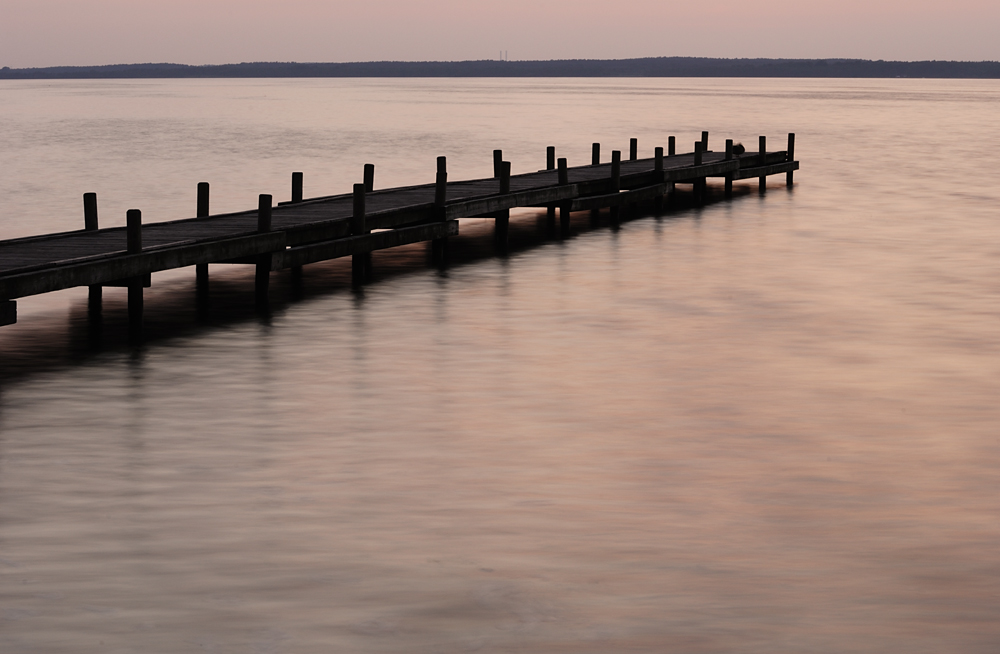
(317, 229)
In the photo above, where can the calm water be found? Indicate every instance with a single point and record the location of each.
(768, 425)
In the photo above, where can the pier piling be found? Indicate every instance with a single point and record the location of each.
(501, 221)
(633, 149)
(791, 157)
(595, 154)
(729, 176)
(762, 180)
(95, 292)
(439, 246)
(359, 261)
(133, 238)
(262, 277)
(566, 205)
(201, 269)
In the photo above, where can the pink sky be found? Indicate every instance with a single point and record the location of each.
(87, 32)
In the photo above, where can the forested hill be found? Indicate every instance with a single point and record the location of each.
(648, 67)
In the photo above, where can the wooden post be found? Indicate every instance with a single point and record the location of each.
(633, 149)
(90, 212)
(565, 205)
(791, 157)
(369, 178)
(501, 222)
(658, 168)
(439, 246)
(704, 141)
(90, 224)
(616, 170)
(263, 274)
(699, 183)
(296, 187)
(497, 163)
(762, 180)
(8, 312)
(550, 157)
(359, 273)
(201, 269)
(595, 154)
(729, 176)
(133, 236)
(616, 182)
(671, 146)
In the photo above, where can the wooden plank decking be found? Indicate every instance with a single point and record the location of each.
(321, 228)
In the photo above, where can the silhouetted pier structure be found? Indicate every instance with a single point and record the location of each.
(303, 231)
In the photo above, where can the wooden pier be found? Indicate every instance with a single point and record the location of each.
(303, 231)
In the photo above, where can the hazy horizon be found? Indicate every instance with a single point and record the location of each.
(43, 33)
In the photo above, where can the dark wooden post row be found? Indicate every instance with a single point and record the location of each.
(791, 157)
(762, 180)
(263, 273)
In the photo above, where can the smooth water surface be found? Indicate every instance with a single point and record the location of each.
(766, 425)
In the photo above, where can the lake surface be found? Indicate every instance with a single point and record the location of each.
(769, 424)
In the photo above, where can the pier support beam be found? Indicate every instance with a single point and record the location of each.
(439, 246)
(297, 186)
(699, 184)
(501, 222)
(201, 269)
(729, 176)
(360, 263)
(616, 183)
(762, 180)
(8, 312)
(658, 168)
(595, 159)
(550, 212)
(262, 278)
(133, 232)
(791, 157)
(369, 178)
(564, 207)
(95, 293)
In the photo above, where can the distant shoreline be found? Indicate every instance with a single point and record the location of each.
(647, 67)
